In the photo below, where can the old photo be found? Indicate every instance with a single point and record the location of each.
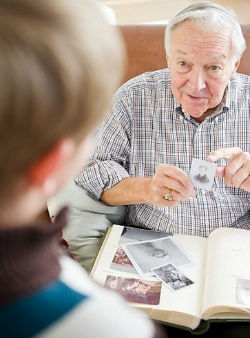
(121, 262)
(202, 174)
(135, 290)
(133, 234)
(243, 292)
(147, 255)
(172, 277)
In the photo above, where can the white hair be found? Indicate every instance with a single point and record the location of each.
(209, 16)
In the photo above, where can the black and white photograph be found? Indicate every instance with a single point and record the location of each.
(243, 292)
(133, 234)
(202, 174)
(170, 275)
(150, 254)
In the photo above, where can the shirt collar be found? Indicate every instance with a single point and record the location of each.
(222, 108)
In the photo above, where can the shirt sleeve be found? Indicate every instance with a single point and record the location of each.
(109, 163)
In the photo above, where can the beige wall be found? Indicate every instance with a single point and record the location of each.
(142, 11)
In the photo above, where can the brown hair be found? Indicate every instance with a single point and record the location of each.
(59, 65)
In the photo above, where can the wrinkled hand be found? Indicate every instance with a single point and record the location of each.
(168, 178)
(237, 171)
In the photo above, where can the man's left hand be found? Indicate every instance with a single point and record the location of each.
(237, 171)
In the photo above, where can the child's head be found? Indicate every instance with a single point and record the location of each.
(59, 65)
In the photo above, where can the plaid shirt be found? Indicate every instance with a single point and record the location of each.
(147, 127)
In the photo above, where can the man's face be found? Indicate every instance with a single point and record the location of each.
(201, 65)
(202, 170)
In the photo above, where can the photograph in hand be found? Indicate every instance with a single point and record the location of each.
(202, 174)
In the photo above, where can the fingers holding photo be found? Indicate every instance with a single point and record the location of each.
(237, 171)
(226, 153)
(170, 185)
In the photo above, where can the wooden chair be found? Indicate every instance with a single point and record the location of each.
(145, 49)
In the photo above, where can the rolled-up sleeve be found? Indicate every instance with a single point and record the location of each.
(109, 163)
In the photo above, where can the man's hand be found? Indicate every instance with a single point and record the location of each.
(237, 171)
(152, 190)
(170, 179)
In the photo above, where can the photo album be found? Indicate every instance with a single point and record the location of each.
(178, 279)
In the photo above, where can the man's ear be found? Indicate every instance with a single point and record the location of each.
(43, 172)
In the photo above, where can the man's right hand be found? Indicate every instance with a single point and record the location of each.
(173, 180)
(151, 190)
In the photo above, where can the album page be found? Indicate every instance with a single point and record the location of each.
(218, 274)
(181, 307)
(228, 260)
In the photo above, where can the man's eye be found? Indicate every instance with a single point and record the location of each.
(214, 67)
(182, 63)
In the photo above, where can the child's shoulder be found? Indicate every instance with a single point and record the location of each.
(100, 311)
(72, 305)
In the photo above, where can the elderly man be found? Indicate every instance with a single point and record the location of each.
(160, 121)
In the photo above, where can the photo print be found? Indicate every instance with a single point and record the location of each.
(133, 234)
(202, 173)
(121, 262)
(147, 255)
(135, 290)
(170, 275)
(243, 292)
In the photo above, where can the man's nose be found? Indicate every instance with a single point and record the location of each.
(197, 80)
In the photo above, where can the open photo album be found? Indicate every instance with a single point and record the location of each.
(178, 279)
